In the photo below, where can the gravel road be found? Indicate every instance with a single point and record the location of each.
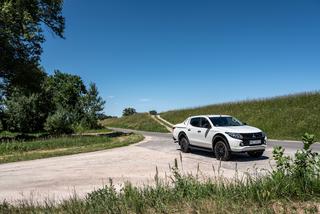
(59, 178)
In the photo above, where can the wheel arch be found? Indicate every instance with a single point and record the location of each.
(218, 137)
(182, 134)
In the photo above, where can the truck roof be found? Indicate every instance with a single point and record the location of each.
(211, 115)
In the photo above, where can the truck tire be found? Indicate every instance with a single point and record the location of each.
(184, 145)
(221, 151)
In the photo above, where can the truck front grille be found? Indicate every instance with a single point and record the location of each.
(247, 137)
(252, 136)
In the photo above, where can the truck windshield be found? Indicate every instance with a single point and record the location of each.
(225, 121)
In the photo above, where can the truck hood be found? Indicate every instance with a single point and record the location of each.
(239, 129)
(180, 125)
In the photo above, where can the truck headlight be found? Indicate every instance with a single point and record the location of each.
(264, 136)
(235, 135)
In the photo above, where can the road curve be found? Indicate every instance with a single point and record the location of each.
(60, 177)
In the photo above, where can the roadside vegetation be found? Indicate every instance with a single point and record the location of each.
(7, 135)
(94, 131)
(292, 187)
(286, 117)
(12, 151)
(138, 121)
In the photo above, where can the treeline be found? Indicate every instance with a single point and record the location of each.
(62, 105)
(30, 99)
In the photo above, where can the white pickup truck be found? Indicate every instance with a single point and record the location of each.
(221, 134)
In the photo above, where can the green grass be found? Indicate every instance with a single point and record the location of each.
(141, 121)
(12, 151)
(275, 193)
(286, 117)
(95, 131)
(8, 134)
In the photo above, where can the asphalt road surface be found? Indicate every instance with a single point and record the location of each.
(59, 178)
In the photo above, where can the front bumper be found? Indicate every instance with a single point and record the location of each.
(244, 145)
(249, 148)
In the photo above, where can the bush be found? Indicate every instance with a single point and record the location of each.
(102, 116)
(153, 112)
(61, 121)
(24, 113)
(128, 112)
(303, 170)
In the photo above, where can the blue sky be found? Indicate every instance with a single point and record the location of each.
(170, 54)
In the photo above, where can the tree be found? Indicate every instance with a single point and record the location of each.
(1, 105)
(63, 106)
(21, 37)
(64, 94)
(68, 97)
(64, 90)
(129, 111)
(93, 104)
(1, 111)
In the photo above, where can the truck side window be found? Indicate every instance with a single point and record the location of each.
(195, 122)
(205, 123)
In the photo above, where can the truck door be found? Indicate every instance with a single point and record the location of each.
(193, 131)
(204, 134)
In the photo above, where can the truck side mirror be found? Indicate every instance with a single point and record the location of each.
(207, 126)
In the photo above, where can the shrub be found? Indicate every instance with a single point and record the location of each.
(153, 112)
(24, 113)
(102, 116)
(303, 170)
(61, 121)
(128, 112)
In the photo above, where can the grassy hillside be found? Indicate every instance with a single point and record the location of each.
(140, 121)
(286, 117)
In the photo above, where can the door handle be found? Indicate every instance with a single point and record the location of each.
(189, 130)
(199, 131)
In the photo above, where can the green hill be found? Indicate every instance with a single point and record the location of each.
(141, 121)
(285, 117)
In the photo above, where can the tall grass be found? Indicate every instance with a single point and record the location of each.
(286, 117)
(141, 121)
